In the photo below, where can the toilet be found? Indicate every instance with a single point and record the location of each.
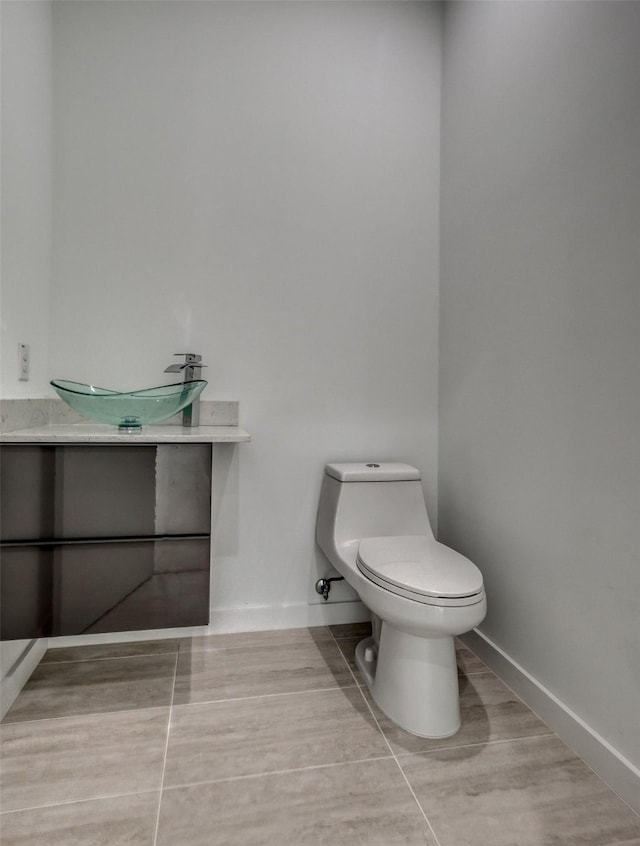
(374, 529)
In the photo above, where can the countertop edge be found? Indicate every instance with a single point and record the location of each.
(81, 433)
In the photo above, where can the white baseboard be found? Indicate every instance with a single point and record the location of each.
(247, 619)
(286, 616)
(18, 674)
(609, 764)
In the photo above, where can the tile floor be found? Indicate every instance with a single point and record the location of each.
(270, 738)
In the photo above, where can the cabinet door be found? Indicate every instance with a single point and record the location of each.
(104, 491)
(86, 588)
(99, 538)
(129, 586)
(27, 492)
(26, 593)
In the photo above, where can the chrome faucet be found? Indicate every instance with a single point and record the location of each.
(192, 365)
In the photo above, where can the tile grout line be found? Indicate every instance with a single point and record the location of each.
(469, 673)
(166, 749)
(178, 705)
(246, 646)
(404, 776)
(269, 773)
(178, 649)
(392, 753)
(97, 798)
(7, 723)
(343, 656)
(188, 784)
(264, 696)
(105, 658)
(494, 742)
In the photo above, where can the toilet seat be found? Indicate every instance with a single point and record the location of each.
(419, 568)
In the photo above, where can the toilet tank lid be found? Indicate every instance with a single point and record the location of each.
(372, 471)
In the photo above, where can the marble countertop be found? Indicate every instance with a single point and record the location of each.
(80, 433)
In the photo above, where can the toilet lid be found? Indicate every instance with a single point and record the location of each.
(417, 564)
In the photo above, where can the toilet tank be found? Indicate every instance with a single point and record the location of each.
(369, 500)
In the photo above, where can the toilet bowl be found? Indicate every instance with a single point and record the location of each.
(374, 529)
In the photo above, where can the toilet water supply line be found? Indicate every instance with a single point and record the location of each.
(323, 586)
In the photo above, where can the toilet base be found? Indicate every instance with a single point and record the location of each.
(413, 680)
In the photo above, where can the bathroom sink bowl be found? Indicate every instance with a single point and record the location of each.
(128, 411)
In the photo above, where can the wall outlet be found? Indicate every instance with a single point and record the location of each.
(23, 362)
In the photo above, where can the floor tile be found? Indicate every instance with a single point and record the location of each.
(347, 645)
(88, 687)
(468, 662)
(273, 639)
(359, 630)
(225, 739)
(110, 650)
(73, 758)
(360, 804)
(489, 711)
(115, 821)
(286, 751)
(208, 675)
(529, 792)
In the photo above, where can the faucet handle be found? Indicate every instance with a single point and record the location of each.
(192, 360)
(177, 368)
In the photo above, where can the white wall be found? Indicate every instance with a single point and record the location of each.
(540, 346)
(26, 193)
(26, 231)
(256, 182)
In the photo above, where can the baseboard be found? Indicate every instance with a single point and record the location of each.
(259, 618)
(18, 674)
(609, 764)
(247, 619)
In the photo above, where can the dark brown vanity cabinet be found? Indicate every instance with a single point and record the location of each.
(103, 537)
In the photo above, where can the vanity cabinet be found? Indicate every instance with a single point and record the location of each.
(103, 537)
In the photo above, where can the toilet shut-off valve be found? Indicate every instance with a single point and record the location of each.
(323, 586)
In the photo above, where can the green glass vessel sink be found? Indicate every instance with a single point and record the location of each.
(128, 411)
